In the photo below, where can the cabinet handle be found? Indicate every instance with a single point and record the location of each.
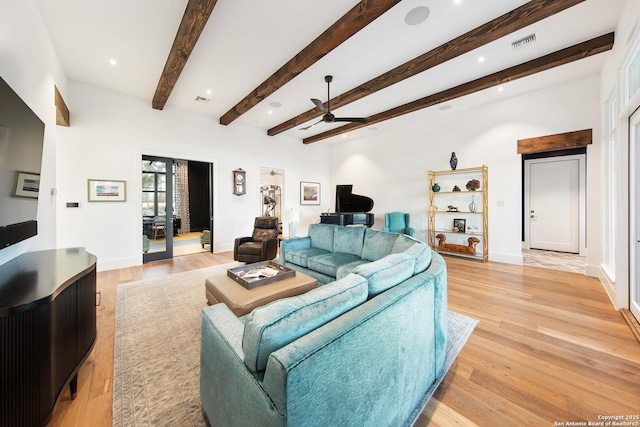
(98, 299)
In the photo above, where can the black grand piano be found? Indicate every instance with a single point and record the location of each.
(350, 208)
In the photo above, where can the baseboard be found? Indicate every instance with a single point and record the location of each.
(506, 258)
(114, 264)
(632, 322)
(607, 284)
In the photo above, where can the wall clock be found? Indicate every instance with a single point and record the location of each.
(239, 182)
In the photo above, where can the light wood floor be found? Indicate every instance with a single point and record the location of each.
(549, 348)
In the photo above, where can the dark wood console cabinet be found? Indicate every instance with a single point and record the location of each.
(47, 329)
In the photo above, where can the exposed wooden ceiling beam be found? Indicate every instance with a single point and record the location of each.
(552, 60)
(527, 14)
(365, 12)
(195, 17)
(62, 111)
(560, 141)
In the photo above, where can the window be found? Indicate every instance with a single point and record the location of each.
(154, 188)
(609, 255)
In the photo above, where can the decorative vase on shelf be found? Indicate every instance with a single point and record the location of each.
(435, 187)
(453, 161)
(473, 206)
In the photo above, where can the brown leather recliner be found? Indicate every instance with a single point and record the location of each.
(262, 245)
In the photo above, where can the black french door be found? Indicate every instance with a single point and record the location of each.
(157, 208)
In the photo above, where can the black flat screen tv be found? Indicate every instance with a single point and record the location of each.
(21, 142)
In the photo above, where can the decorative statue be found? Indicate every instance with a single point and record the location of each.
(453, 161)
(452, 247)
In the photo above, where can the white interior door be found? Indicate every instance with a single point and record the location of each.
(554, 204)
(634, 215)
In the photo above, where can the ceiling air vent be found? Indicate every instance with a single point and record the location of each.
(525, 41)
(202, 99)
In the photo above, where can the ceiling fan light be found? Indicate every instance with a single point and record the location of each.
(417, 15)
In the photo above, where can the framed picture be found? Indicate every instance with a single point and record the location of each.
(107, 191)
(309, 193)
(27, 185)
(460, 224)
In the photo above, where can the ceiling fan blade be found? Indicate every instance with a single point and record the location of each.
(319, 104)
(310, 126)
(352, 119)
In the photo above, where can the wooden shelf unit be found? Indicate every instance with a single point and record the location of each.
(440, 220)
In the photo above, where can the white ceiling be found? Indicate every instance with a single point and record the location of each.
(245, 41)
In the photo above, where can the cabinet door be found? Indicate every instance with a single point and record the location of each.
(86, 314)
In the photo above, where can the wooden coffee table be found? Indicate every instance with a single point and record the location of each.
(241, 301)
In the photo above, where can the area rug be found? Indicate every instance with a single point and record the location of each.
(157, 349)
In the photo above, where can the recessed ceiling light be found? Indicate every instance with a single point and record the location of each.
(417, 15)
(344, 135)
(445, 107)
(500, 88)
(275, 105)
(113, 62)
(481, 59)
(269, 112)
(209, 92)
(457, 1)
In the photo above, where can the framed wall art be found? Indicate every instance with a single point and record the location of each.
(107, 191)
(309, 193)
(460, 224)
(27, 185)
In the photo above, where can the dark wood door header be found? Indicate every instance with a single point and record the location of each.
(561, 141)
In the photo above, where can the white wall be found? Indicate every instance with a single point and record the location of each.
(627, 36)
(392, 168)
(110, 132)
(29, 64)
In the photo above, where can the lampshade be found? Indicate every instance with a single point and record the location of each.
(290, 215)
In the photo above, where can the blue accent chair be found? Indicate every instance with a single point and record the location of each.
(398, 222)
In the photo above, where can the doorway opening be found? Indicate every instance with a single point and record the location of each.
(177, 208)
(554, 209)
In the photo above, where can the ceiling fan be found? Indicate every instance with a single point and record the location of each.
(328, 116)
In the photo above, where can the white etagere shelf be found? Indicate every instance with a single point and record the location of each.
(449, 208)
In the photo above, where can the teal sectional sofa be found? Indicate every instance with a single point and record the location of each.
(361, 350)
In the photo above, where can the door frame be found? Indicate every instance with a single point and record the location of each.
(581, 156)
(634, 216)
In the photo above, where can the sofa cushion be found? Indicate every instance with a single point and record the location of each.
(415, 248)
(321, 236)
(328, 263)
(377, 244)
(349, 240)
(386, 272)
(281, 322)
(301, 257)
(346, 269)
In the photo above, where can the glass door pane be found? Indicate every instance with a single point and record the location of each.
(157, 214)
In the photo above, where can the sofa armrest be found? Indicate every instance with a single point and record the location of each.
(230, 393)
(238, 242)
(295, 244)
(269, 248)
